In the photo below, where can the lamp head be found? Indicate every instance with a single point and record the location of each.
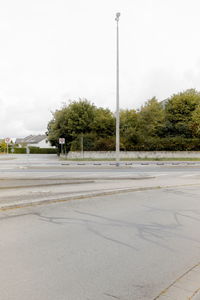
(117, 16)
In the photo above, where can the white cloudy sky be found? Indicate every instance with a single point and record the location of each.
(55, 50)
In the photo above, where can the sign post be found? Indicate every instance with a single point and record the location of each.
(62, 142)
(7, 141)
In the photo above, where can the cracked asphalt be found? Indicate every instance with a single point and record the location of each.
(124, 243)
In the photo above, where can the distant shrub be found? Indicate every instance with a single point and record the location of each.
(167, 144)
(18, 150)
(34, 150)
(37, 150)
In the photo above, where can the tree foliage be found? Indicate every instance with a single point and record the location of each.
(174, 125)
(80, 120)
(194, 123)
(3, 146)
(151, 118)
(179, 111)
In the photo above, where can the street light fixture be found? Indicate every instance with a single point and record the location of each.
(117, 97)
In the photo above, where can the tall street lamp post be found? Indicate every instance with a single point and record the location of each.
(117, 97)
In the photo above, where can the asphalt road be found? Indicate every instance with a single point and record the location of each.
(79, 170)
(51, 164)
(128, 246)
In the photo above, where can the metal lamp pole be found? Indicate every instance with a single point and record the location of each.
(117, 97)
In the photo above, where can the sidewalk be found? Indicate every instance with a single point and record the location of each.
(187, 287)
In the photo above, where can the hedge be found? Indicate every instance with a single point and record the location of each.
(167, 144)
(37, 150)
(18, 150)
(149, 144)
(34, 150)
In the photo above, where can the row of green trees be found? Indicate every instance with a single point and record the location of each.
(173, 124)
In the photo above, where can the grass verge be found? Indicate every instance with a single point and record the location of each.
(135, 159)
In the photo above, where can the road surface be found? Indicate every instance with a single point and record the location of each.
(128, 246)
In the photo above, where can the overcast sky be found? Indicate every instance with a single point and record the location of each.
(55, 50)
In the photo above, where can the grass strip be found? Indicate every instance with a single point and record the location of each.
(135, 159)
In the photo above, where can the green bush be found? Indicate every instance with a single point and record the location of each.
(37, 150)
(167, 144)
(105, 144)
(34, 150)
(155, 143)
(18, 150)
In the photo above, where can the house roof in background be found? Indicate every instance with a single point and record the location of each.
(31, 139)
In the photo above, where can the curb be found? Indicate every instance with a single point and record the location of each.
(24, 204)
(185, 287)
(44, 184)
(66, 181)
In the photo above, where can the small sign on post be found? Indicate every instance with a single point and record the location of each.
(62, 142)
(7, 141)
